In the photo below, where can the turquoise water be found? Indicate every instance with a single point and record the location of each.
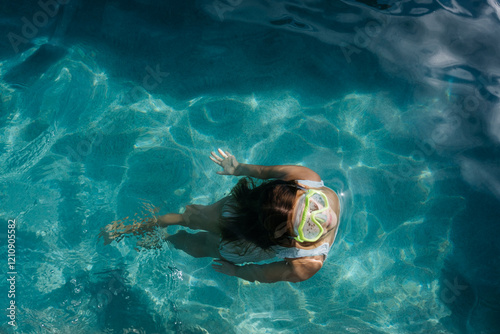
(108, 108)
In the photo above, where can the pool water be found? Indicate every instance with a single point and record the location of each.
(111, 108)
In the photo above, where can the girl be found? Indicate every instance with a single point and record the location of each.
(293, 218)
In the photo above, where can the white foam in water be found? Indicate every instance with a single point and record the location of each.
(49, 277)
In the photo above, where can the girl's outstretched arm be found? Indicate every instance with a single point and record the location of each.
(295, 270)
(283, 172)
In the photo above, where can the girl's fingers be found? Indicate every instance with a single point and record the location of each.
(217, 162)
(224, 155)
(216, 158)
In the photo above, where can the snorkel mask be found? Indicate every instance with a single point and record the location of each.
(310, 216)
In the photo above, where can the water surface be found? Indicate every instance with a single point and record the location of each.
(109, 105)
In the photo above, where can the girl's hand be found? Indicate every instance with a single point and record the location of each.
(228, 162)
(225, 267)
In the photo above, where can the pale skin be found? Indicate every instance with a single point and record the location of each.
(207, 218)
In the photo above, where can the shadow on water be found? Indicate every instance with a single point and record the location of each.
(470, 281)
(35, 65)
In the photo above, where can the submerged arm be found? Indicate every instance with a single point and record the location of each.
(295, 270)
(283, 172)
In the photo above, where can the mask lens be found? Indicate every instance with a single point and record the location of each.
(309, 221)
(321, 217)
(310, 229)
(318, 200)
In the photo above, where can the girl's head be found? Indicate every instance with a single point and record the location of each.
(262, 214)
(277, 206)
(277, 213)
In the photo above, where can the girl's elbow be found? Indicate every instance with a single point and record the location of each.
(303, 273)
(301, 277)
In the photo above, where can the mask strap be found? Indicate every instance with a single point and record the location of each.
(300, 187)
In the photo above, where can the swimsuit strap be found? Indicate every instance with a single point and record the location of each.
(312, 184)
(293, 253)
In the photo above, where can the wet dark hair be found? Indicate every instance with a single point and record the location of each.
(260, 214)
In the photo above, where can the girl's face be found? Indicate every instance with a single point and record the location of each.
(326, 218)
